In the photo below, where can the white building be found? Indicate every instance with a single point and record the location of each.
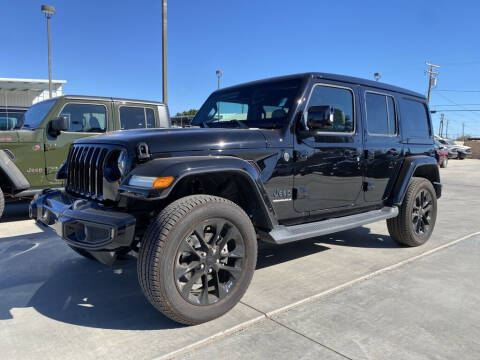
(26, 92)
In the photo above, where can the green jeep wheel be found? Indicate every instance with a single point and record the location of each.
(2, 202)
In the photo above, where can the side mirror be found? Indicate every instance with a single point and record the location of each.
(320, 117)
(57, 125)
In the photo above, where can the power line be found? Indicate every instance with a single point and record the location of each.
(456, 105)
(457, 110)
(475, 91)
(453, 102)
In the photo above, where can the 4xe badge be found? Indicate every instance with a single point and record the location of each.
(282, 195)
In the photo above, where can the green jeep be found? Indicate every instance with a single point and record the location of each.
(31, 156)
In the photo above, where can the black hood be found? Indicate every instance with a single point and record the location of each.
(179, 139)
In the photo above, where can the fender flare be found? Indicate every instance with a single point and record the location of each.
(10, 171)
(184, 166)
(424, 166)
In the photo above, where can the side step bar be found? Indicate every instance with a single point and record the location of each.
(284, 234)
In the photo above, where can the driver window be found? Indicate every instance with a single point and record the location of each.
(341, 100)
(85, 117)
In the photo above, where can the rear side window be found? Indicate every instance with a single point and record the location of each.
(381, 118)
(133, 117)
(85, 117)
(415, 119)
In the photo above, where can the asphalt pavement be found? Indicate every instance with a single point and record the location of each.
(355, 294)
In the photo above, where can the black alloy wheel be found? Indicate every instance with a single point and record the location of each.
(421, 212)
(417, 214)
(209, 261)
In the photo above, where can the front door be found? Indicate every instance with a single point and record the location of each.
(383, 147)
(328, 172)
(85, 119)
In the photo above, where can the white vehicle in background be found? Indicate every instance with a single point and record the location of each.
(461, 150)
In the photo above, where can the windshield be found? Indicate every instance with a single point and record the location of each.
(35, 114)
(251, 106)
(10, 119)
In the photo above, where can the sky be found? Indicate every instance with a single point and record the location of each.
(113, 48)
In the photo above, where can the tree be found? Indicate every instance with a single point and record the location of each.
(187, 112)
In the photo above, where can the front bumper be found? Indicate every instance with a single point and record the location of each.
(81, 223)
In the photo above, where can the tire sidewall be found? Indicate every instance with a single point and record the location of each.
(180, 231)
(423, 185)
(2, 202)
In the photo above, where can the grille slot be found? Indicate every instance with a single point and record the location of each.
(85, 170)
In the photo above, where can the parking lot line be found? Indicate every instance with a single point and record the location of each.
(269, 315)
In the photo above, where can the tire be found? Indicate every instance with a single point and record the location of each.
(402, 228)
(171, 246)
(444, 162)
(461, 156)
(2, 202)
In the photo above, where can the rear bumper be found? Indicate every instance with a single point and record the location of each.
(82, 223)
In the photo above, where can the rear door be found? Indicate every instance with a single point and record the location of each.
(383, 145)
(85, 119)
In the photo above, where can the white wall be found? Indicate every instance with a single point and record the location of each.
(25, 98)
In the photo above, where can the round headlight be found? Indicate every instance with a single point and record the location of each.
(122, 162)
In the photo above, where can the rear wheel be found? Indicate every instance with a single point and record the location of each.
(444, 162)
(417, 215)
(197, 258)
(2, 202)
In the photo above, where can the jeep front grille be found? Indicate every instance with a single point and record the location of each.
(86, 170)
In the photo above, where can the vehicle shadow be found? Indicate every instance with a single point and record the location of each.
(41, 272)
(14, 211)
(271, 254)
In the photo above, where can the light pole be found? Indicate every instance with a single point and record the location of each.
(49, 11)
(164, 51)
(219, 75)
(377, 76)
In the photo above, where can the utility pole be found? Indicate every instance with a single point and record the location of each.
(49, 11)
(432, 79)
(446, 131)
(463, 132)
(164, 51)
(440, 127)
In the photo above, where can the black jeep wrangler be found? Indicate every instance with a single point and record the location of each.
(277, 160)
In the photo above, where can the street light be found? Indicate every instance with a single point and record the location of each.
(49, 11)
(377, 76)
(219, 75)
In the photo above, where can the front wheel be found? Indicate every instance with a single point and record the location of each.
(197, 258)
(417, 215)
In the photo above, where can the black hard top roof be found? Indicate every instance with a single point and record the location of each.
(107, 98)
(334, 77)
